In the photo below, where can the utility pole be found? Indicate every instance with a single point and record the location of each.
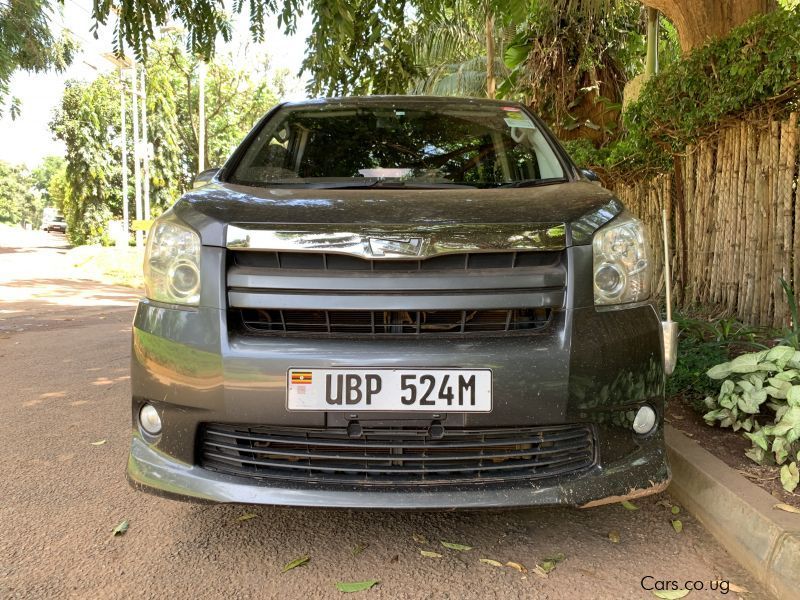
(125, 208)
(491, 77)
(201, 124)
(123, 64)
(145, 148)
(137, 181)
(651, 66)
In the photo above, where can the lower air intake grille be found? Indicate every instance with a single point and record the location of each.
(371, 322)
(396, 456)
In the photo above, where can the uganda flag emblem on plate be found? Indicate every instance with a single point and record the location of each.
(301, 377)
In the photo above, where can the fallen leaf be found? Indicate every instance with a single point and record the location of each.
(358, 549)
(676, 509)
(395, 558)
(420, 539)
(247, 517)
(614, 537)
(297, 562)
(738, 589)
(355, 586)
(430, 554)
(629, 505)
(678, 527)
(491, 561)
(787, 508)
(459, 547)
(98, 443)
(547, 566)
(664, 502)
(556, 558)
(670, 594)
(539, 571)
(516, 566)
(121, 528)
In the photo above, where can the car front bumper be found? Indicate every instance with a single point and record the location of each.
(640, 474)
(195, 371)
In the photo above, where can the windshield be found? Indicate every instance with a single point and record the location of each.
(453, 144)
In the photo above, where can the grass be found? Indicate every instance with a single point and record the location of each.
(116, 266)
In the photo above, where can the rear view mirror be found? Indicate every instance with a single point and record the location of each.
(204, 178)
(590, 175)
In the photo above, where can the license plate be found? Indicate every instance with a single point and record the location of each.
(391, 390)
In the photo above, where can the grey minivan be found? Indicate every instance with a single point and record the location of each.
(398, 303)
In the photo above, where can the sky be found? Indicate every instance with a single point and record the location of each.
(27, 139)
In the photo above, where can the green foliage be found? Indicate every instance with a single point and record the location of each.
(751, 66)
(28, 44)
(359, 47)
(791, 334)
(17, 202)
(702, 343)
(88, 124)
(571, 68)
(42, 181)
(88, 121)
(450, 45)
(695, 356)
(235, 99)
(760, 394)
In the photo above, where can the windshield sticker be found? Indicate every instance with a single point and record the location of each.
(517, 119)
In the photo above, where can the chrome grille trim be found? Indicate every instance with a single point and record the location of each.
(433, 240)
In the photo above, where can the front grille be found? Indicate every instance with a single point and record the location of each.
(438, 322)
(328, 261)
(396, 456)
(459, 294)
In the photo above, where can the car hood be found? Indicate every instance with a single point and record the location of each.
(581, 206)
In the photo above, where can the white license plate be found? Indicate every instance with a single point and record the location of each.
(391, 390)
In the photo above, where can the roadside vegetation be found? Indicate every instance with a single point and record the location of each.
(110, 265)
(88, 123)
(757, 65)
(746, 379)
(24, 193)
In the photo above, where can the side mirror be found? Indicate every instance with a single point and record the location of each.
(590, 175)
(204, 178)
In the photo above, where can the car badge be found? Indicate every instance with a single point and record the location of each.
(394, 247)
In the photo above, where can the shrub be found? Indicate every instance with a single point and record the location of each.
(760, 394)
(756, 64)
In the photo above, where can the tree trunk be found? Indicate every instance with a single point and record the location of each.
(698, 21)
(491, 78)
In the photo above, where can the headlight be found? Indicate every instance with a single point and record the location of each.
(172, 264)
(621, 262)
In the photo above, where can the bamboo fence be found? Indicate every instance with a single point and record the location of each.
(735, 210)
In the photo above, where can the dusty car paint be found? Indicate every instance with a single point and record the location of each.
(590, 365)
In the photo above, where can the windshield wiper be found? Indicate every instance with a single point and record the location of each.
(357, 185)
(533, 182)
(394, 185)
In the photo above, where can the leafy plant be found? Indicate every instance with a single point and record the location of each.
(760, 394)
(792, 333)
(704, 342)
(757, 63)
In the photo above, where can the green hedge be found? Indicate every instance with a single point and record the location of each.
(753, 65)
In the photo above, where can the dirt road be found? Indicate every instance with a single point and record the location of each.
(64, 353)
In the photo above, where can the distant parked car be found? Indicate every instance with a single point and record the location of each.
(56, 224)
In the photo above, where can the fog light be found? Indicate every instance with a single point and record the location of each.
(645, 420)
(149, 419)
